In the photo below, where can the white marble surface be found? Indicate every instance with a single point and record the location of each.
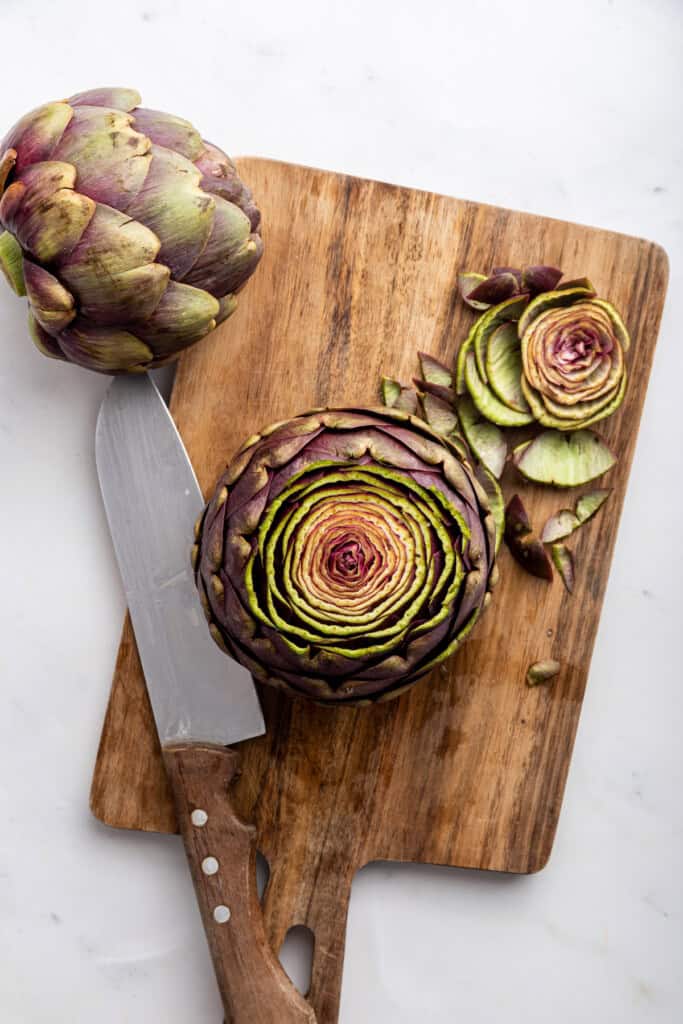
(573, 111)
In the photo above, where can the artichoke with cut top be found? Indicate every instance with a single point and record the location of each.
(129, 234)
(344, 554)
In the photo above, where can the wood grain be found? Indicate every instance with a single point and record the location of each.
(469, 768)
(221, 851)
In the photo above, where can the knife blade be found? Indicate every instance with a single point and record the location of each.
(201, 699)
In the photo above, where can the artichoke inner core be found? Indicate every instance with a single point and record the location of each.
(353, 556)
(571, 356)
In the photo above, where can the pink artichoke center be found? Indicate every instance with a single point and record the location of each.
(580, 345)
(351, 558)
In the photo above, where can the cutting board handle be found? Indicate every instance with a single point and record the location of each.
(221, 851)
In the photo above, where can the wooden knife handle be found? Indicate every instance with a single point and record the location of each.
(222, 855)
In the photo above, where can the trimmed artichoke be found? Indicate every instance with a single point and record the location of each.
(344, 554)
(129, 234)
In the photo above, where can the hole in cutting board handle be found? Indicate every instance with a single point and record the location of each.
(296, 956)
(262, 875)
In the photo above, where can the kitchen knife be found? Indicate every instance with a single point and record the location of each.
(201, 699)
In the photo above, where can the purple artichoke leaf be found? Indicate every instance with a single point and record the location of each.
(530, 553)
(515, 271)
(495, 290)
(467, 282)
(517, 522)
(440, 391)
(540, 279)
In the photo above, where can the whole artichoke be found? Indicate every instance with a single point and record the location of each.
(129, 234)
(344, 554)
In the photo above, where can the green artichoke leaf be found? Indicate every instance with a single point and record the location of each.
(117, 99)
(11, 262)
(397, 396)
(510, 309)
(43, 212)
(391, 391)
(563, 459)
(174, 206)
(504, 367)
(183, 316)
(52, 305)
(490, 407)
(589, 504)
(434, 371)
(104, 349)
(461, 359)
(113, 160)
(562, 524)
(564, 563)
(439, 414)
(169, 131)
(496, 501)
(483, 437)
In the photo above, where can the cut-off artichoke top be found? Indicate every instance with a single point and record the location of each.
(129, 234)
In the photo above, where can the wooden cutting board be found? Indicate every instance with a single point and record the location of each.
(469, 767)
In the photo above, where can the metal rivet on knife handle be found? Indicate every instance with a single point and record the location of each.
(222, 857)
